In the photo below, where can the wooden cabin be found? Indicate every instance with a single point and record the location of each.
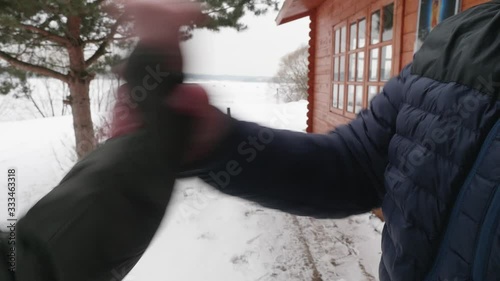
(356, 46)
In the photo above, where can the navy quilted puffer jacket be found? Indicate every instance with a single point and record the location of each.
(427, 151)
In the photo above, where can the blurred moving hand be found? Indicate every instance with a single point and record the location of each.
(157, 24)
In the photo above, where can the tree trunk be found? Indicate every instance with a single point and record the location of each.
(82, 120)
(79, 86)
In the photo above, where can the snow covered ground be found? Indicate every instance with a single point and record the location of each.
(206, 235)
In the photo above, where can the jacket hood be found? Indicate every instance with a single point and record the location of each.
(464, 49)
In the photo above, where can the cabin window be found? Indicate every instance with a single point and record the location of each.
(362, 59)
(339, 67)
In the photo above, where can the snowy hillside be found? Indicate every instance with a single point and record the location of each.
(206, 235)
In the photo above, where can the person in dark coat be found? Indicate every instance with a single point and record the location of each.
(98, 221)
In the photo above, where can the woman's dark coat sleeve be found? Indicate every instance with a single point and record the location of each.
(97, 223)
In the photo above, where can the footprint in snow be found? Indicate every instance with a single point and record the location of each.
(207, 236)
(241, 259)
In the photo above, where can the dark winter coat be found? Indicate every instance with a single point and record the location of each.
(427, 151)
(97, 223)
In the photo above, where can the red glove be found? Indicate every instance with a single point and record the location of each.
(126, 116)
(210, 125)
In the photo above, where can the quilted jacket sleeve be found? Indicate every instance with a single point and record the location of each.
(323, 175)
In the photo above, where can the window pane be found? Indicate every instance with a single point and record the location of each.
(385, 72)
(335, 97)
(362, 33)
(374, 64)
(352, 67)
(353, 37)
(388, 22)
(342, 68)
(372, 92)
(336, 69)
(337, 41)
(359, 99)
(343, 39)
(361, 66)
(375, 34)
(350, 98)
(341, 96)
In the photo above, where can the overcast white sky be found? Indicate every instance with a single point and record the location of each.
(254, 52)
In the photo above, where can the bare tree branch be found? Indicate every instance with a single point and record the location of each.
(32, 68)
(49, 35)
(292, 75)
(35, 104)
(51, 99)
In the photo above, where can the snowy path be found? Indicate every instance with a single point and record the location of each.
(209, 236)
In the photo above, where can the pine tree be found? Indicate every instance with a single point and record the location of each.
(70, 40)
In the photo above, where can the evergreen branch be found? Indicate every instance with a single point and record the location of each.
(95, 41)
(98, 2)
(101, 51)
(123, 38)
(100, 40)
(32, 68)
(223, 9)
(49, 35)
